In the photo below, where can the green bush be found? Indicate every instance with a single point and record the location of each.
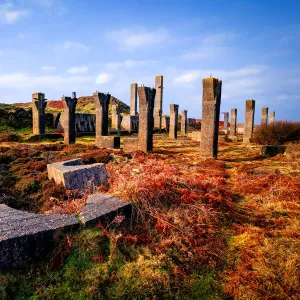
(277, 133)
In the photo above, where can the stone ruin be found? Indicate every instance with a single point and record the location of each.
(211, 102)
(102, 138)
(264, 115)
(158, 102)
(249, 120)
(233, 128)
(69, 118)
(38, 113)
(226, 119)
(116, 117)
(272, 117)
(173, 121)
(133, 99)
(184, 122)
(165, 123)
(74, 175)
(144, 141)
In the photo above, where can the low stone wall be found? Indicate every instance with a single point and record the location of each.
(26, 237)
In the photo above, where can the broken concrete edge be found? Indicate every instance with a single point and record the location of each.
(27, 238)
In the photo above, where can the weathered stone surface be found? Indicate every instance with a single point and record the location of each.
(130, 123)
(83, 122)
(233, 119)
(249, 120)
(184, 122)
(159, 86)
(196, 136)
(211, 102)
(173, 121)
(272, 117)
(226, 118)
(116, 117)
(38, 113)
(110, 142)
(27, 237)
(165, 122)
(69, 119)
(264, 115)
(270, 150)
(145, 134)
(133, 99)
(74, 175)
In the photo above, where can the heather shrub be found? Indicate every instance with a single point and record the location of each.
(277, 133)
(9, 137)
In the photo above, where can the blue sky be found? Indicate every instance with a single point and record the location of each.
(60, 46)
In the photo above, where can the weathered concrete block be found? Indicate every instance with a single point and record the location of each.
(270, 150)
(184, 122)
(264, 115)
(249, 120)
(211, 102)
(226, 119)
(272, 117)
(130, 123)
(74, 175)
(173, 121)
(165, 122)
(38, 113)
(111, 142)
(69, 119)
(116, 117)
(159, 82)
(133, 99)
(27, 237)
(233, 129)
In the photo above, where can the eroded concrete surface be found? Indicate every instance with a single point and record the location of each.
(26, 237)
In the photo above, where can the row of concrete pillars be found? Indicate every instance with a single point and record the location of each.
(149, 99)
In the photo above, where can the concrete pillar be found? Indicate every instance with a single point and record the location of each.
(211, 102)
(133, 99)
(69, 119)
(233, 118)
(226, 118)
(38, 113)
(146, 107)
(173, 121)
(184, 122)
(165, 122)
(264, 116)
(249, 120)
(158, 101)
(272, 117)
(116, 117)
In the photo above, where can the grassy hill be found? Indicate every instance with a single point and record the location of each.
(85, 104)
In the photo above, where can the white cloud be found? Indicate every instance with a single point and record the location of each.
(128, 64)
(78, 70)
(130, 40)
(48, 68)
(21, 36)
(103, 78)
(75, 45)
(10, 15)
(34, 82)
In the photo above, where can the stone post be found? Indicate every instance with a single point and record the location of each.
(211, 102)
(226, 118)
(133, 99)
(264, 116)
(38, 113)
(272, 117)
(146, 105)
(158, 101)
(116, 117)
(173, 121)
(233, 118)
(184, 122)
(249, 120)
(69, 119)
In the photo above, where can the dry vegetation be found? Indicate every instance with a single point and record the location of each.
(201, 229)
